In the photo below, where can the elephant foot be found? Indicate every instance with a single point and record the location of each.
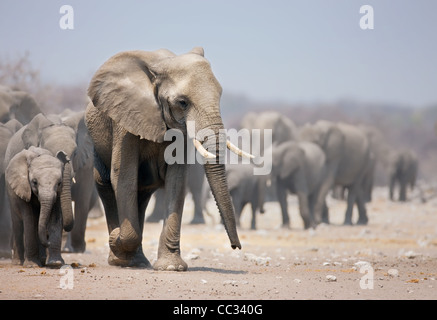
(55, 262)
(362, 221)
(170, 262)
(198, 220)
(347, 223)
(136, 260)
(74, 249)
(32, 263)
(154, 218)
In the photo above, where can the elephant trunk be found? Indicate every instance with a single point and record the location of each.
(216, 175)
(65, 197)
(44, 217)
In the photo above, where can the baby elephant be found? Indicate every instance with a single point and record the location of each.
(34, 188)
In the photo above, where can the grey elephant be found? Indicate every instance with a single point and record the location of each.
(7, 130)
(70, 135)
(283, 128)
(34, 187)
(17, 104)
(300, 168)
(403, 169)
(246, 188)
(348, 156)
(136, 97)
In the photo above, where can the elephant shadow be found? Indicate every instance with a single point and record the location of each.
(216, 270)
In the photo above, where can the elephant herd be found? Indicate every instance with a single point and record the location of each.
(312, 160)
(56, 167)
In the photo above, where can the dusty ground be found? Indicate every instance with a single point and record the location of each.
(393, 257)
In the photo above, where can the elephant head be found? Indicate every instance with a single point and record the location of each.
(148, 93)
(36, 171)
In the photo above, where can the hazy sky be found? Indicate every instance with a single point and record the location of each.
(297, 51)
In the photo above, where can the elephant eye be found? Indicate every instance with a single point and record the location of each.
(34, 182)
(183, 103)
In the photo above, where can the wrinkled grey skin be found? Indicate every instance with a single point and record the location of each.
(34, 184)
(299, 168)
(245, 187)
(16, 104)
(348, 156)
(7, 130)
(135, 97)
(403, 167)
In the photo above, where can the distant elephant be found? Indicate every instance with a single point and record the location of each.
(403, 171)
(7, 130)
(300, 167)
(136, 97)
(283, 128)
(348, 156)
(245, 187)
(16, 104)
(34, 187)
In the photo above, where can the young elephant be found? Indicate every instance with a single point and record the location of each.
(34, 184)
(245, 187)
(300, 168)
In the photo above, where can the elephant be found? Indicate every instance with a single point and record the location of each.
(136, 98)
(69, 134)
(246, 187)
(403, 168)
(17, 104)
(34, 180)
(300, 167)
(7, 130)
(348, 158)
(283, 128)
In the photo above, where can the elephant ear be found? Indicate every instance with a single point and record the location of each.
(85, 148)
(32, 134)
(17, 172)
(123, 88)
(291, 160)
(333, 142)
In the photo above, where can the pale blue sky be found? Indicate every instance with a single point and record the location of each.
(296, 51)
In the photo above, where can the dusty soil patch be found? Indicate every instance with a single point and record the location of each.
(393, 257)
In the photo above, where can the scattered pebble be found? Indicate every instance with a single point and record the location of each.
(331, 278)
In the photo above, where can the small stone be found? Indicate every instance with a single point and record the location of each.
(393, 273)
(331, 278)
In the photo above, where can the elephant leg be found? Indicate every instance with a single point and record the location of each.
(17, 240)
(106, 194)
(158, 212)
(198, 212)
(282, 198)
(325, 213)
(362, 212)
(169, 252)
(319, 206)
(304, 210)
(403, 191)
(391, 188)
(351, 197)
(31, 241)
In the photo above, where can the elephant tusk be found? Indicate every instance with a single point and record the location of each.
(202, 150)
(238, 151)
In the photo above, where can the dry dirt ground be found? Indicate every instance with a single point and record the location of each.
(393, 257)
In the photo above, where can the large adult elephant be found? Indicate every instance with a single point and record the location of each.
(7, 130)
(403, 167)
(299, 168)
(136, 97)
(348, 156)
(16, 104)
